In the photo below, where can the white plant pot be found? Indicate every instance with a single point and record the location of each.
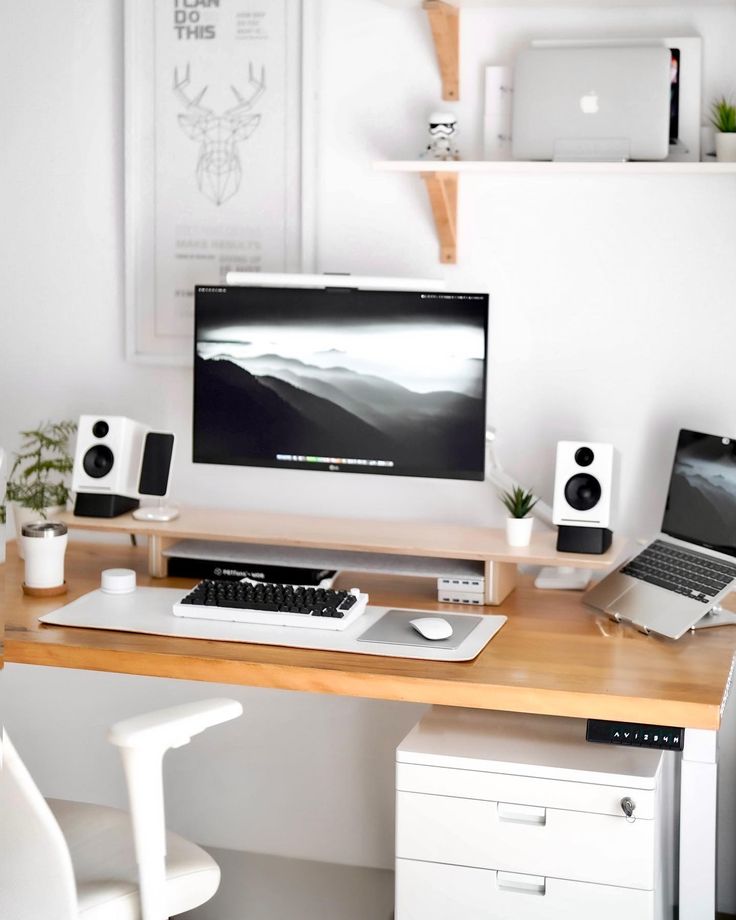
(726, 147)
(23, 515)
(519, 531)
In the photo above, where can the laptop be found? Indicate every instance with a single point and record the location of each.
(691, 564)
(592, 103)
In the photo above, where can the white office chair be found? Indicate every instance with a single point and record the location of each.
(70, 861)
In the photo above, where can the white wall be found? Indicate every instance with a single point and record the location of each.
(612, 318)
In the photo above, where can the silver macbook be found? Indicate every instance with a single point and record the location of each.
(691, 565)
(592, 103)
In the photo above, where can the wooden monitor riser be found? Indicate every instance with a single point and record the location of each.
(395, 539)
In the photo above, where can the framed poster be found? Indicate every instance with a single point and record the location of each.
(214, 95)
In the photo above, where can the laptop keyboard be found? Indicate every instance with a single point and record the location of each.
(682, 571)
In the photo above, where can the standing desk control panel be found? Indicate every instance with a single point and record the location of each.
(635, 734)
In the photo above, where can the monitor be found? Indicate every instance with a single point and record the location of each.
(341, 379)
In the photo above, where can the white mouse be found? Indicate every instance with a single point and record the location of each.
(433, 628)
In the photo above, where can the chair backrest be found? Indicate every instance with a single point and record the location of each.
(36, 874)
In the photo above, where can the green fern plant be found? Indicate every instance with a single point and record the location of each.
(38, 478)
(518, 502)
(723, 116)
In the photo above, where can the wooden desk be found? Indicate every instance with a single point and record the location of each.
(553, 657)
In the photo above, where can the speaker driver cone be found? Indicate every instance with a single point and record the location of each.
(582, 492)
(98, 461)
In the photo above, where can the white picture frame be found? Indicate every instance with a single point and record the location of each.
(211, 92)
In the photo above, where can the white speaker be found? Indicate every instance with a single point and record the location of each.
(107, 463)
(583, 496)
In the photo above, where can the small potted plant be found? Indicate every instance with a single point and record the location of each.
(37, 484)
(723, 117)
(519, 502)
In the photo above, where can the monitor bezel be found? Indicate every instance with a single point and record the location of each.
(258, 463)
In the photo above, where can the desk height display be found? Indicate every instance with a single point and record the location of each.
(389, 547)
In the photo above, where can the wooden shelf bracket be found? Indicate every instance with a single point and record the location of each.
(444, 21)
(442, 190)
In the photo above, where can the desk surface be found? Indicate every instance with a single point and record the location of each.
(553, 656)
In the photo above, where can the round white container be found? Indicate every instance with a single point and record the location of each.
(44, 545)
(519, 531)
(117, 581)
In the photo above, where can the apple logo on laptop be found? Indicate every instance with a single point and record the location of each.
(589, 103)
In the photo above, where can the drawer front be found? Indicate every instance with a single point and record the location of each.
(427, 891)
(505, 787)
(513, 838)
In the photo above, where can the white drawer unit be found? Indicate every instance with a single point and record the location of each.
(500, 815)
(426, 891)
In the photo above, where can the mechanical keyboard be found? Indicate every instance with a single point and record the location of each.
(686, 572)
(271, 604)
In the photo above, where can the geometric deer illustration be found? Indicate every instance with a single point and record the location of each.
(218, 166)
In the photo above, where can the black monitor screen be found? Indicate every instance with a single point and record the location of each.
(701, 504)
(388, 382)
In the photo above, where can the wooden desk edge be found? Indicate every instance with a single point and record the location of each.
(369, 685)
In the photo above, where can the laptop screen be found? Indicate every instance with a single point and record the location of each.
(701, 504)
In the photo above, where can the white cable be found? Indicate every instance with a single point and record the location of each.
(498, 477)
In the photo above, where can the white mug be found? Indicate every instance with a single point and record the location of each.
(44, 545)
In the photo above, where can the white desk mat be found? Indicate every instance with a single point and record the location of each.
(149, 610)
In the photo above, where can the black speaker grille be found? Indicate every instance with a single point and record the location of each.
(582, 492)
(98, 461)
(157, 453)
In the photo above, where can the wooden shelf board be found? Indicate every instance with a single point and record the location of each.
(534, 168)
(401, 538)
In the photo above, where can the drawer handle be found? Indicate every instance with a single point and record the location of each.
(522, 814)
(522, 884)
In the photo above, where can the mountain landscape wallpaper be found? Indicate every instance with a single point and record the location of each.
(701, 504)
(355, 381)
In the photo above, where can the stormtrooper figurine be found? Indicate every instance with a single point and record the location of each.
(442, 132)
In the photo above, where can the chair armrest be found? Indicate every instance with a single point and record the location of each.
(173, 727)
(143, 741)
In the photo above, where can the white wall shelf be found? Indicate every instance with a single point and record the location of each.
(603, 4)
(441, 180)
(545, 168)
